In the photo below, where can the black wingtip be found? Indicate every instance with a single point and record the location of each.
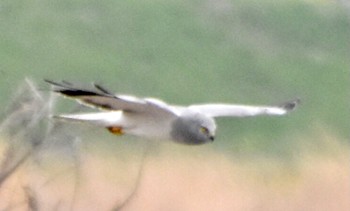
(63, 83)
(52, 82)
(102, 89)
(291, 105)
(68, 89)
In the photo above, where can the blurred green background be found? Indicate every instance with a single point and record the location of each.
(184, 52)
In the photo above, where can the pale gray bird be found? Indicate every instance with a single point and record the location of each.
(154, 119)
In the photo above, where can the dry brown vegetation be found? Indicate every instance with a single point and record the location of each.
(175, 178)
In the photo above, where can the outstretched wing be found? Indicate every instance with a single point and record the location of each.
(101, 98)
(219, 110)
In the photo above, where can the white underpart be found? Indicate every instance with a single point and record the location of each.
(139, 125)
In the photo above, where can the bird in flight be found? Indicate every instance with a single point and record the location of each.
(152, 118)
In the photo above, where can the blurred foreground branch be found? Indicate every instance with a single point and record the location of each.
(27, 132)
(20, 127)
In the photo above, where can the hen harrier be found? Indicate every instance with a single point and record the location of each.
(153, 118)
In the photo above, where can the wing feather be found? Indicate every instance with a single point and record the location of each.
(219, 110)
(101, 98)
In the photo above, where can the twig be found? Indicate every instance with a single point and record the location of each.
(32, 201)
(5, 174)
(139, 177)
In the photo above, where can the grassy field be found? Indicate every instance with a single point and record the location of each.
(187, 52)
(231, 51)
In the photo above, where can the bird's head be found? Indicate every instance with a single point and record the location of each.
(193, 128)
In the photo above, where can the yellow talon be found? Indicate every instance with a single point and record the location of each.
(116, 130)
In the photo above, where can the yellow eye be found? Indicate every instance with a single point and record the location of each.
(204, 130)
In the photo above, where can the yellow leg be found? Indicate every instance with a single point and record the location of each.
(116, 130)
